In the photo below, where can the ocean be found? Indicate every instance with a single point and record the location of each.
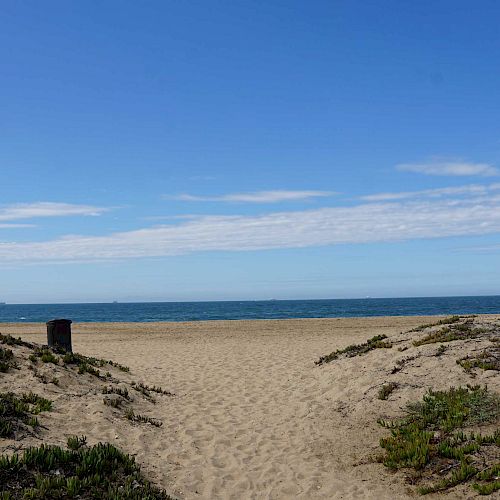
(260, 309)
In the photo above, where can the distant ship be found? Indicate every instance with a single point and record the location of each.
(3, 303)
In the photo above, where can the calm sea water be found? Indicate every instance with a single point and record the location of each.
(266, 309)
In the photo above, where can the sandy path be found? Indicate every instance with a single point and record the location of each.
(253, 418)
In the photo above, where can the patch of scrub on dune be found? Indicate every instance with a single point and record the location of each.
(432, 445)
(100, 471)
(377, 342)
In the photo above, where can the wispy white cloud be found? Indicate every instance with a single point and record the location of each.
(46, 209)
(256, 197)
(450, 168)
(364, 223)
(15, 226)
(471, 189)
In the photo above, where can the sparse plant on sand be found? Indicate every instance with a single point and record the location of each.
(456, 331)
(6, 359)
(489, 359)
(386, 390)
(13, 341)
(431, 439)
(116, 390)
(17, 411)
(75, 442)
(446, 321)
(88, 364)
(134, 417)
(147, 389)
(377, 342)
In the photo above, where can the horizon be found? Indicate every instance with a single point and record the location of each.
(316, 299)
(181, 152)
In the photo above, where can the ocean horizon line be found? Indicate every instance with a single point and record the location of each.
(203, 301)
(144, 312)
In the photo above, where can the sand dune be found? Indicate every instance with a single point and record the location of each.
(253, 417)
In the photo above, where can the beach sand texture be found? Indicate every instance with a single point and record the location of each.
(252, 417)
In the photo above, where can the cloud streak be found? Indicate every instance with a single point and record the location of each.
(471, 189)
(15, 226)
(450, 168)
(364, 223)
(46, 209)
(256, 197)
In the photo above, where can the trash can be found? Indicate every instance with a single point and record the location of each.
(59, 333)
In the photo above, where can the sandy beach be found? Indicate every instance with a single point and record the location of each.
(253, 417)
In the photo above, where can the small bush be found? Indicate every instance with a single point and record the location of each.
(113, 402)
(386, 390)
(45, 354)
(75, 442)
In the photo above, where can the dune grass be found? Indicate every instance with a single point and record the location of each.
(430, 438)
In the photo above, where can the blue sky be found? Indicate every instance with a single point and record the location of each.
(168, 150)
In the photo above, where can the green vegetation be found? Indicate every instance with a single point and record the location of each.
(429, 441)
(6, 359)
(88, 364)
(12, 341)
(134, 417)
(85, 368)
(458, 331)
(489, 359)
(49, 472)
(376, 342)
(446, 321)
(44, 378)
(98, 472)
(386, 390)
(117, 365)
(464, 472)
(146, 389)
(16, 411)
(113, 402)
(45, 354)
(116, 390)
(75, 442)
(441, 350)
(401, 363)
